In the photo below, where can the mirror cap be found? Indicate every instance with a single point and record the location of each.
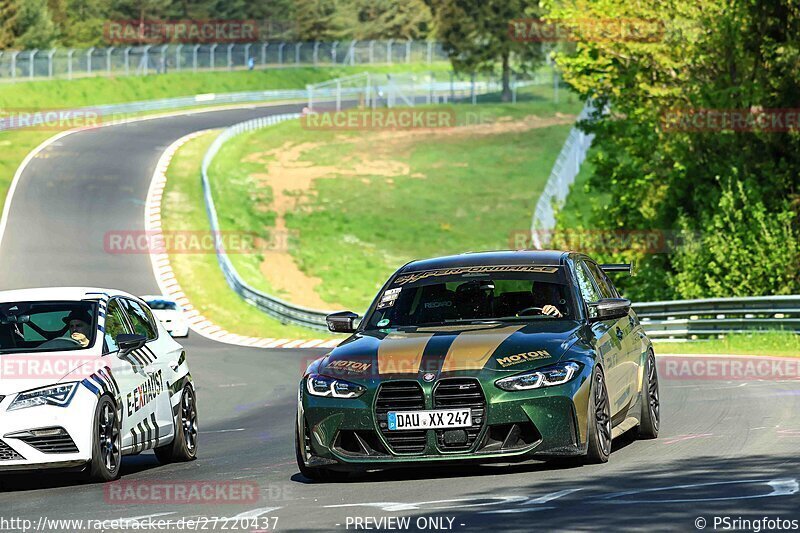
(342, 322)
(609, 308)
(130, 341)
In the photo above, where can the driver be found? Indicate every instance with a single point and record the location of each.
(79, 327)
(544, 294)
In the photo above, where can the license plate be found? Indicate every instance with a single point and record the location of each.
(438, 419)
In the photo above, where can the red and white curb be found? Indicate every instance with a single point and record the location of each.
(170, 287)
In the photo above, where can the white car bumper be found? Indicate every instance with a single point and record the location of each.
(22, 451)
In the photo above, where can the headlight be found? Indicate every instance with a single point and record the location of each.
(59, 395)
(317, 385)
(544, 377)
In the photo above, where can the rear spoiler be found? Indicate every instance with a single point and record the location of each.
(618, 267)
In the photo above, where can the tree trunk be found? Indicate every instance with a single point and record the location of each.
(506, 96)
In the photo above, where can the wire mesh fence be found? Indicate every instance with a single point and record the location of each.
(20, 65)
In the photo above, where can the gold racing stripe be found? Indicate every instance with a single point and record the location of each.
(402, 354)
(472, 349)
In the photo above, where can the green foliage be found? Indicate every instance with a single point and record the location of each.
(475, 34)
(713, 54)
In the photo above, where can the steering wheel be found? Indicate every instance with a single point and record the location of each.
(59, 342)
(524, 312)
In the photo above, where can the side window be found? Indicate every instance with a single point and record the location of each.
(588, 290)
(606, 287)
(115, 325)
(141, 319)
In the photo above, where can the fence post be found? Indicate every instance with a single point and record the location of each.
(31, 58)
(555, 85)
(333, 51)
(195, 49)
(369, 89)
(452, 89)
(70, 52)
(178, 57)
(371, 52)
(164, 58)
(126, 55)
(297, 53)
(50, 55)
(431, 82)
(338, 95)
(280, 53)
(316, 51)
(389, 51)
(310, 91)
(473, 94)
(352, 52)
(247, 54)
(264, 54)
(408, 51)
(14, 55)
(230, 56)
(89, 53)
(212, 59)
(430, 52)
(144, 65)
(514, 90)
(109, 51)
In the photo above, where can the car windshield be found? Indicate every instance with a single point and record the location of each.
(473, 294)
(47, 326)
(162, 305)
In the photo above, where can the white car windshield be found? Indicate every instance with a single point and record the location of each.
(47, 326)
(162, 305)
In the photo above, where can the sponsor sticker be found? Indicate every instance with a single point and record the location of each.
(389, 297)
(525, 357)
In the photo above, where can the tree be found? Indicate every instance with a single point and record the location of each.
(475, 34)
(33, 26)
(710, 55)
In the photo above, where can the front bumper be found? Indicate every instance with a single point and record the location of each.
(20, 453)
(345, 434)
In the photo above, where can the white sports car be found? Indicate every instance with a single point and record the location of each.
(87, 376)
(169, 313)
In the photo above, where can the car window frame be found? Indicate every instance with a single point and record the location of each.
(125, 319)
(604, 278)
(148, 312)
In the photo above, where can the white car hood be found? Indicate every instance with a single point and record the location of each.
(24, 371)
(168, 314)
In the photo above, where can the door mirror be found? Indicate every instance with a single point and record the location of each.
(130, 341)
(342, 322)
(609, 309)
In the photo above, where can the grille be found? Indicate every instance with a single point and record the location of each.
(460, 392)
(400, 396)
(56, 444)
(8, 454)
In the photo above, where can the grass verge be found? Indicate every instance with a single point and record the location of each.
(199, 274)
(383, 198)
(772, 343)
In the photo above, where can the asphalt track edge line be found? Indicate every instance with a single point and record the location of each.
(168, 284)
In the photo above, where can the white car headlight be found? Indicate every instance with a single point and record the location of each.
(543, 377)
(59, 395)
(335, 388)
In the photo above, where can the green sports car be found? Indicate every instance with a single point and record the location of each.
(480, 357)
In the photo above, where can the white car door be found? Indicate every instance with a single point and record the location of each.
(139, 385)
(158, 350)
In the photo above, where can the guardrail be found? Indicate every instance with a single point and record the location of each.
(716, 316)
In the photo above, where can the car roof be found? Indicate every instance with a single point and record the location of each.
(59, 293)
(500, 257)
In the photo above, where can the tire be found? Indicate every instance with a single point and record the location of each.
(310, 472)
(599, 435)
(650, 400)
(106, 442)
(184, 446)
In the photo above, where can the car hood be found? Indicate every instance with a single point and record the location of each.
(459, 350)
(25, 371)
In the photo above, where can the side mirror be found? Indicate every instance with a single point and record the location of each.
(342, 322)
(130, 341)
(609, 309)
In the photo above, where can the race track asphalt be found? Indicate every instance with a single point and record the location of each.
(727, 448)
